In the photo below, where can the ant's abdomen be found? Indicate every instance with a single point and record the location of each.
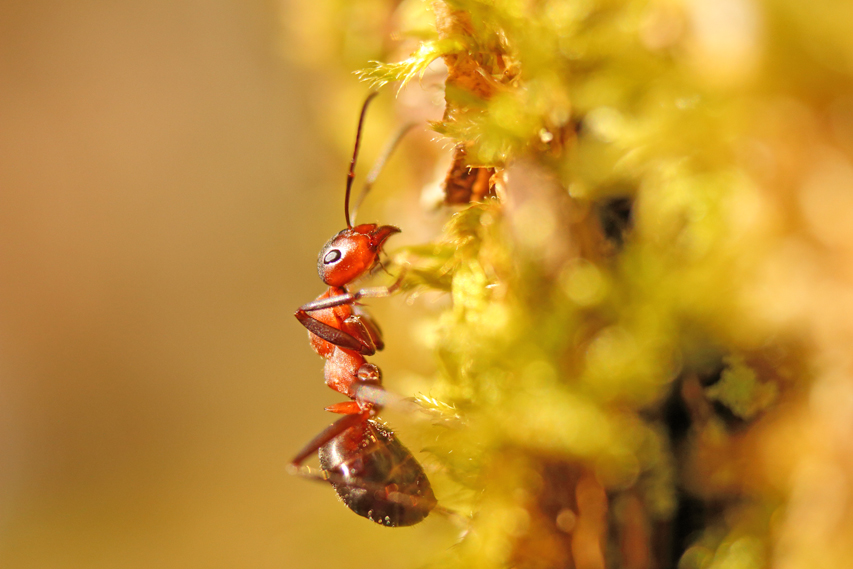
(376, 476)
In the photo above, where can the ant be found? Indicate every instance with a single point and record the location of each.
(371, 471)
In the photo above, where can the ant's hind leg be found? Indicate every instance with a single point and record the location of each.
(325, 436)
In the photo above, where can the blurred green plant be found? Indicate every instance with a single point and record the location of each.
(614, 346)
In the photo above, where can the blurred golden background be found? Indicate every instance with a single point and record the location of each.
(164, 191)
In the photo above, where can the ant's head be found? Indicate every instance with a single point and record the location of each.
(355, 250)
(352, 253)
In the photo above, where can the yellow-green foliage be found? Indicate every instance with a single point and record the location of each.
(708, 116)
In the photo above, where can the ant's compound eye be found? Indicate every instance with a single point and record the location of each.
(332, 256)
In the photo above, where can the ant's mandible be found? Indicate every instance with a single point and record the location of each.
(371, 471)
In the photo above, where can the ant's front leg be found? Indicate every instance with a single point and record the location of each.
(370, 326)
(352, 297)
(357, 337)
(361, 335)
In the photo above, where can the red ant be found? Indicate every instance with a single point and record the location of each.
(371, 471)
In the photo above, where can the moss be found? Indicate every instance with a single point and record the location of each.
(622, 335)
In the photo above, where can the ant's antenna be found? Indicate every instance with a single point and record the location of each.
(351, 173)
(379, 164)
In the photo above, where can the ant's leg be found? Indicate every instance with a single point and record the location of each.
(330, 302)
(352, 297)
(406, 500)
(357, 337)
(354, 412)
(368, 393)
(344, 408)
(367, 374)
(376, 396)
(370, 326)
(326, 435)
(360, 336)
